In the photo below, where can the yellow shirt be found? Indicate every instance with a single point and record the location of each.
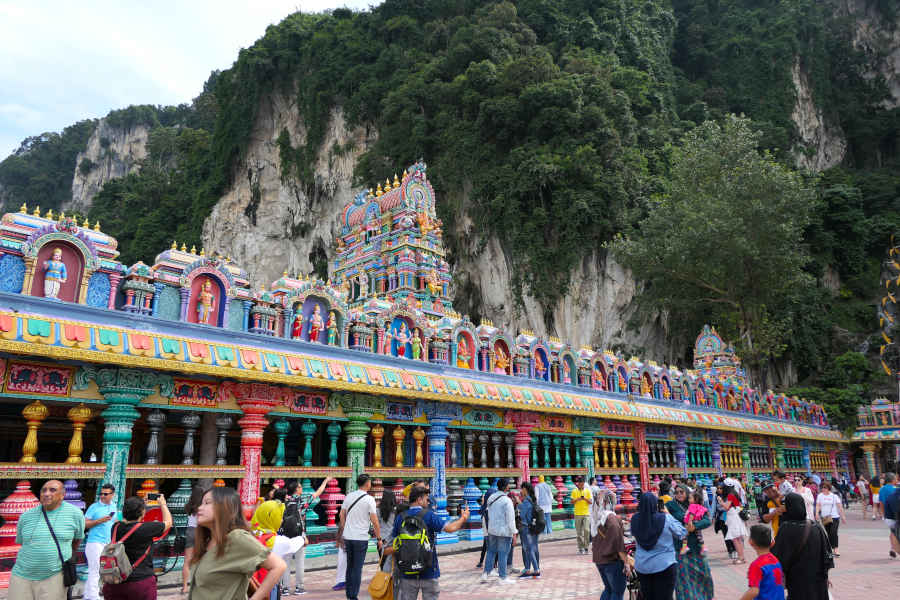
(582, 509)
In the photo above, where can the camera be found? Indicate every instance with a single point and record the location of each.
(152, 496)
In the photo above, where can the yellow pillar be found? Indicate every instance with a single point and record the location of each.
(34, 413)
(79, 415)
(419, 436)
(399, 435)
(377, 434)
(596, 454)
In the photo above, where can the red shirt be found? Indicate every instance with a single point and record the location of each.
(735, 501)
(766, 575)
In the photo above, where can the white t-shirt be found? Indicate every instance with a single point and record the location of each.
(356, 522)
(828, 505)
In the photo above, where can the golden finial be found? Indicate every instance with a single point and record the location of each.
(284, 274)
(183, 247)
(202, 251)
(24, 209)
(97, 225)
(396, 181)
(174, 245)
(37, 211)
(49, 214)
(378, 191)
(227, 259)
(193, 249)
(62, 215)
(387, 184)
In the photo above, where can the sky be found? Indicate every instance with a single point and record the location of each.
(64, 61)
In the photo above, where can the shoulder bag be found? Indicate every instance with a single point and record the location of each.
(68, 566)
(339, 540)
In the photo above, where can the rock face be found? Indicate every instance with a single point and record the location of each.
(268, 222)
(876, 35)
(821, 144)
(111, 152)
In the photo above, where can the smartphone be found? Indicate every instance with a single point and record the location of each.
(462, 506)
(152, 496)
(112, 515)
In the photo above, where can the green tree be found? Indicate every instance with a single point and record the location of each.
(723, 241)
(846, 385)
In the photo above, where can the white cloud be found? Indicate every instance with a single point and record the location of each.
(63, 61)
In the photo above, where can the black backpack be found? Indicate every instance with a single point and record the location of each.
(538, 520)
(413, 547)
(292, 521)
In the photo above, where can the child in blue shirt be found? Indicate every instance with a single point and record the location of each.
(765, 577)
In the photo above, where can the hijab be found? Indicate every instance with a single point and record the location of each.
(603, 506)
(794, 509)
(267, 520)
(648, 523)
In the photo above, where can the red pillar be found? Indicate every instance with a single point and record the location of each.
(524, 422)
(643, 452)
(256, 400)
(832, 458)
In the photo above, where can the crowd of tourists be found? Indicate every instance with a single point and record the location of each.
(661, 550)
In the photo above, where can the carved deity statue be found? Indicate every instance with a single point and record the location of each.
(206, 303)
(567, 377)
(297, 327)
(424, 222)
(331, 328)
(645, 387)
(501, 361)
(401, 336)
(416, 345)
(462, 354)
(434, 284)
(539, 367)
(363, 281)
(54, 275)
(315, 324)
(597, 376)
(666, 392)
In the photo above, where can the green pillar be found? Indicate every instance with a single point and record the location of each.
(779, 455)
(123, 390)
(282, 427)
(586, 449)
(334, 431)
(745, 456)
(358, 408)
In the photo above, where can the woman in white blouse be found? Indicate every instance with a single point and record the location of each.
(830, 510)
(808, 500)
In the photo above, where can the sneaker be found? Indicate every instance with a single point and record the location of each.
(285, 590)
(506, 581)
(524, 574)
(513, 570)
(299, 590)
(893, 554)
(339, 586)
(479, 566)
(536, 575)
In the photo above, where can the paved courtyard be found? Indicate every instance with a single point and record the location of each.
(864, 572)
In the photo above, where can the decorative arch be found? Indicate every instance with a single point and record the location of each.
(79, 255)
(501, 350)
(599, 377)
(665, 387)
(567, 362)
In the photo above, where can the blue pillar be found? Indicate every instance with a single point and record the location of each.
(154, 305)
(807, 462)
(437, 444)
(247, 304)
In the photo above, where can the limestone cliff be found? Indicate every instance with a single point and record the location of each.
(875, 34)
(268, 222)
(111, 152)
(821, 144)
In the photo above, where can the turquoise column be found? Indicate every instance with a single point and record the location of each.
(358, 408)
(282, 427)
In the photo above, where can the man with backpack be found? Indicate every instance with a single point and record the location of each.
(501, 527)
(293, 525)
(415, 546)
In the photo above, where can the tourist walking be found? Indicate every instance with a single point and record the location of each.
(862, 488)
(737, 531)
(608, 546)
(693, 580)
(226, 554)
(98, 521)
(808, 500)
(190, 509)
(830, 511)
(581, 506)
(655, 532)
(387, 514)
(530, 554)
(544, 494)
(765, 578)
(875, 484)
(37, 573)
(293, 527)
(484, 534)
(425, 579)
(803, 550)
(138, 537)
(357, 512)
(501, 526)
(890, 517)
(720, 525)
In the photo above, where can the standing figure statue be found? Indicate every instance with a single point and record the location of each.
(462, 354)
(539, 367)
(401, 337)
(315, 324)
(206, 302)
(501, 361)
(55, 274)
(331, 328)
(297, 327)
(363, 280)
(416, 345)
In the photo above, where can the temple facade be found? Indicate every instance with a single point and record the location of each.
(153, 377)
(877, 438)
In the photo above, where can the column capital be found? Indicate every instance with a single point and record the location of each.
(357, 407)
(441, 411)
(114, 381)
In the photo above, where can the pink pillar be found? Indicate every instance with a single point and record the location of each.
(832, 459)
(523, 441)
(256, 400)
(11, 509)
(114, 279)
(640, 444)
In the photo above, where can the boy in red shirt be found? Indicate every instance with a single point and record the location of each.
(765, 577)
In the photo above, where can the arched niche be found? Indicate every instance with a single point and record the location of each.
(401, 330)
(568, 368)
(541, 363)
(598, 375)
(500, 349)
(205, 289)
(465, 351)
(665, 387)
(73, 289)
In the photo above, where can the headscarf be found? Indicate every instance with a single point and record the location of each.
(794, 509)
(648, 523)
(265, 524)
(603, 506)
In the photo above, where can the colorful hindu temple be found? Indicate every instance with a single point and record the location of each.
(878, 437)
(152, 377)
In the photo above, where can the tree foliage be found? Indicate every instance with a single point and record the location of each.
(725, 237)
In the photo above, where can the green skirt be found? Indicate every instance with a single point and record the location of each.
(693, 580)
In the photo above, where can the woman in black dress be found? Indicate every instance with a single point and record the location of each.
(802, 548)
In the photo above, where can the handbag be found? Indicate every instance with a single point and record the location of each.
(382, 585)
(744, 514)
(827, 520)
(70, 577)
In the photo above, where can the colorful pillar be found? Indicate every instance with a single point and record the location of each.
(869, 449)
(440, 415)
(748, 467)
(832, 461)
(643, 452)
(524, 422)
(780, 462)
(358, 408)
(716, 443)
(681, 451)
(807, 460)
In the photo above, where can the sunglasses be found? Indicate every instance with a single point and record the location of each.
(106, 493)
